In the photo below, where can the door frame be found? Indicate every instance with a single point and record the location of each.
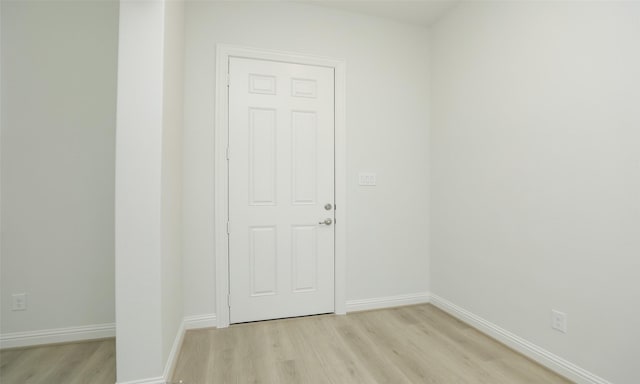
(221, 191)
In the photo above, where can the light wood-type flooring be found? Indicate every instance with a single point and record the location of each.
(414, 344)
(90, 362)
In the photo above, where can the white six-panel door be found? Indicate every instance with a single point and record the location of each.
(281, 189)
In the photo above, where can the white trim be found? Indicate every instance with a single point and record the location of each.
(154, 380)
(172, 359)
(223, 53)
(189, 322)
(340, 153)
(532, 351)
(57, 335)
(200, 321)
(387, 302)
(221, 201)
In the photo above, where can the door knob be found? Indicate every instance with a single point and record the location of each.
(326, 221)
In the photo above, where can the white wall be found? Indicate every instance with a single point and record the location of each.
(149, 306)
(387, 121)
(138, 190)
(535, 153)
(172, 301)
(58, 133)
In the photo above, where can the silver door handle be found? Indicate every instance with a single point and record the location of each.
(326, 222)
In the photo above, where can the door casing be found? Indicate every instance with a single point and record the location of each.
(221, 198)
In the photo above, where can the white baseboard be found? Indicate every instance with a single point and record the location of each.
(57, 335)
(200, 321)
(387, 302)
(189, 322)
(172, 359)
(154, 380)
(532, 351)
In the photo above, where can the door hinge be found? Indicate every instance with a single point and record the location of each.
(228, 79)
(228, 153)
(228, 227)
(229, 300)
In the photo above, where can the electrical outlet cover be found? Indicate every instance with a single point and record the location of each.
(19, 302)
(559, 321)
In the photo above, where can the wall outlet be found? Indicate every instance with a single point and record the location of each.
(367, 178)
(19, 302)
(559, 321)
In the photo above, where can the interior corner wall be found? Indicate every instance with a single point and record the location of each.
(59, 63)
(535, 171)
(387, 123)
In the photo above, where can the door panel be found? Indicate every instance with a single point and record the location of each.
(281, 175)
(262, 156)
(304, 157)
(263, 260)
(305, 257)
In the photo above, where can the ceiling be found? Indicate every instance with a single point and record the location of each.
(416, 12)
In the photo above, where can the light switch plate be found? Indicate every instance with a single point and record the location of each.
(367, 178)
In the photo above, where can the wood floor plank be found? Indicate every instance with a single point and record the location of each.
(59, 363)
(370, 357)
(414, 344)
(91, 362)
(339, 360)
(23, 369)
(197, 343)
(99, 367)
(9, 357)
